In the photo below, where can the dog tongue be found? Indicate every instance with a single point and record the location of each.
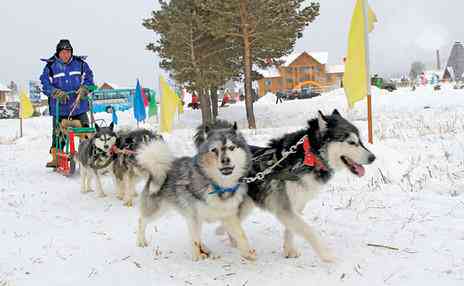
(359, 169)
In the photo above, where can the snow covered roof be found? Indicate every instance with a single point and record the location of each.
(4, 88)
(321, 57)
(335, 69)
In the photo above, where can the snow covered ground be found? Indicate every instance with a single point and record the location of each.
(411, 199)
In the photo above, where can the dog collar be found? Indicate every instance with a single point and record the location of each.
(310, 159)
(219, 190)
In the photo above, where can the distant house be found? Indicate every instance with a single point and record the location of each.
(108, 85)
(454, 69)
(4, 91)
(301, 70)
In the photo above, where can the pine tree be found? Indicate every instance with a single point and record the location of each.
(188, 51)
(264, 30)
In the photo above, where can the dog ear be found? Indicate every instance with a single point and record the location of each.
(112, 126)
(97, 128)
(322, 121)
(235, 128)
(335, 112)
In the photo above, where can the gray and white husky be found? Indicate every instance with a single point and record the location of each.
(332, 144)
(203, 188)
(126, 170)
(95, 157)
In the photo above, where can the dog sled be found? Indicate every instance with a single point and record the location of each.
(66, 133)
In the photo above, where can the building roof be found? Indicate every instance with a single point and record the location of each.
(335, 69)
(321, 57)
(4, 88)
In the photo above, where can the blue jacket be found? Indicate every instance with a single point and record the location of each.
(67, 77)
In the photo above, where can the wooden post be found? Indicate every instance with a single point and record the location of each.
(368, 78)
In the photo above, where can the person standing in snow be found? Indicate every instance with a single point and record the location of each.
(66, 79)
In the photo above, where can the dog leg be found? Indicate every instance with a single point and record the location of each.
(89, 177)
(130, 190)
(199, 250)
(84, 180)
(289, 248)
(120, 185)
(235, 230)
(99, 185)
(296, 224)
(141, 239)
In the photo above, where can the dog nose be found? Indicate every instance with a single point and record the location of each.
(106, 146)
(225, 160)
(371, 158)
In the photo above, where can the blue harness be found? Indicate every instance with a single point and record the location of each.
(218, 190)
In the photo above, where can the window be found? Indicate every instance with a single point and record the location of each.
(305, 69)
(290, 70)
(304, 77)
(289, 80)
(267, 82)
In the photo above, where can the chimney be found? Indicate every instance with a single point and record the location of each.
(438, 60)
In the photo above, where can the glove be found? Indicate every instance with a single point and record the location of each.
(60, 95)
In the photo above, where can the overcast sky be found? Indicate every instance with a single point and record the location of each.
(110, 33)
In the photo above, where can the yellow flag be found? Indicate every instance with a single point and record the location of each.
(355, 76)
(26, 106)
(170, 102)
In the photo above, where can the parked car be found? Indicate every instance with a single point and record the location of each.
(389, 85)
(6, 112)
(307, 93)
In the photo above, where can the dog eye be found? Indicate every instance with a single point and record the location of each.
(352, 143)
(232, 148)
(214, 150)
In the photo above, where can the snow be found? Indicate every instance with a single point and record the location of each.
(3, 87)
(411, 198)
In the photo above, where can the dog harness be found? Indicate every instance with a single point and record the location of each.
(219, 190)
(310, 160)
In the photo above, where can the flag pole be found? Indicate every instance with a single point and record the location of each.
(20, 119)
(368, 79)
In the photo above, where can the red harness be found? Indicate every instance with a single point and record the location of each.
(310, 159)
(116, 150)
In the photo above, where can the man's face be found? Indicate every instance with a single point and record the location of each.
(65, 55)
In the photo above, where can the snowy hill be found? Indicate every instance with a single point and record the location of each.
(411, 200)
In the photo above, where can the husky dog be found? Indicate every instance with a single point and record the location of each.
(332, 144)
(204, 188)
(126, 169)
(95, 157)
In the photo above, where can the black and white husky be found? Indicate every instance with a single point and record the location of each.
(95, 156)
(126, 170)
(203, 188)
(328, 144)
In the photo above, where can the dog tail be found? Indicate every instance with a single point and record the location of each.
(157, 159)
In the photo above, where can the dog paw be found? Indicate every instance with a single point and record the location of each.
(291, 253)
(119, 196)
(101, 195)
(250, 255)
(142, 242)
(201, 252)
